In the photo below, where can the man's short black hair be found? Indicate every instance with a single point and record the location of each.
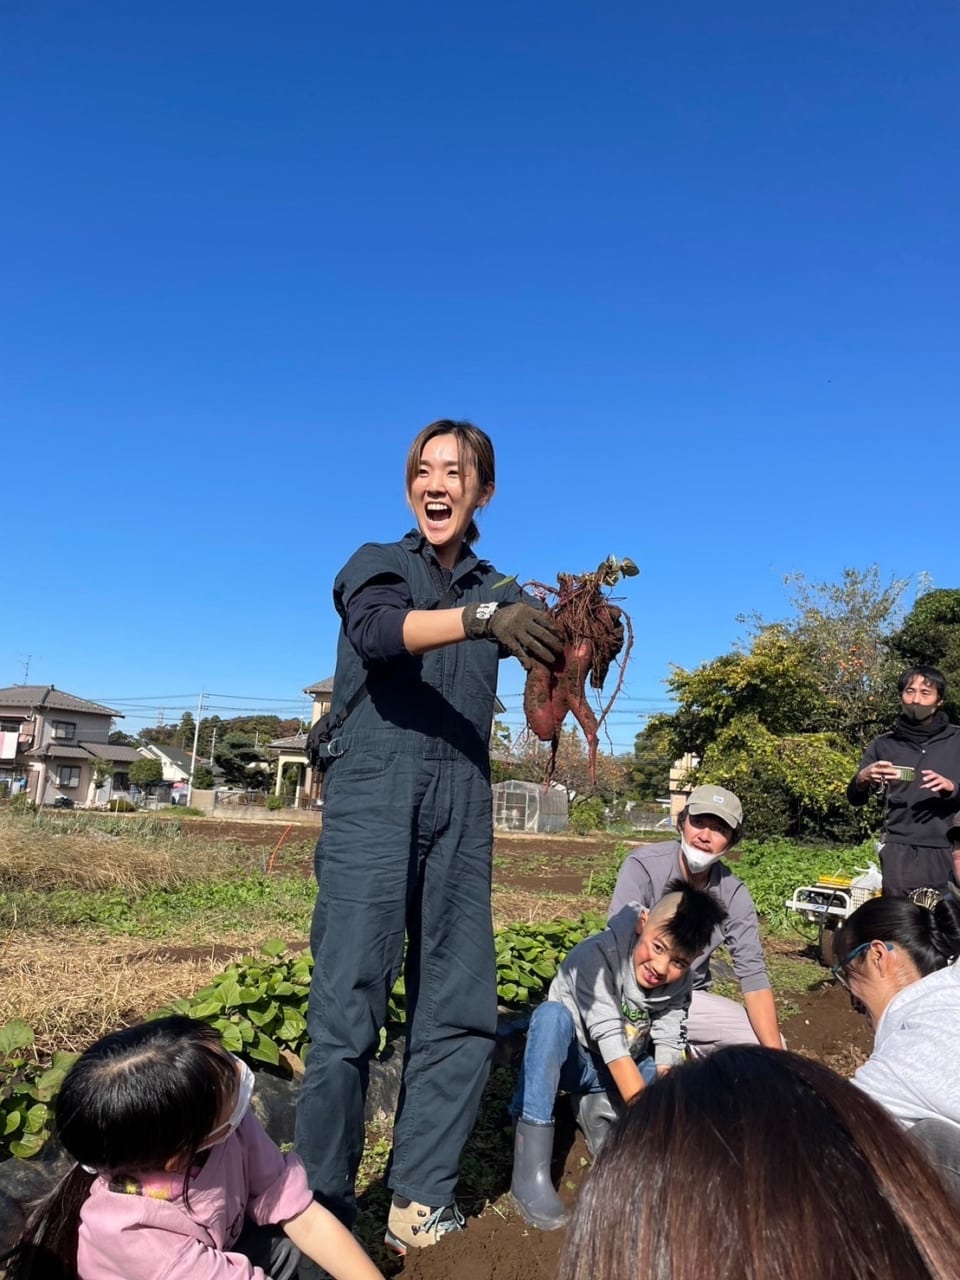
(932, 675)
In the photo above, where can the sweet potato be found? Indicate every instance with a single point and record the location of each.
(593, 635)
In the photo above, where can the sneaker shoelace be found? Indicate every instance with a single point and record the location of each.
(447, 1218)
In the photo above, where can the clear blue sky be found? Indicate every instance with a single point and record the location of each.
(694, 268)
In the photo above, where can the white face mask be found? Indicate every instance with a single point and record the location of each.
(244, 1093)
(697, 860)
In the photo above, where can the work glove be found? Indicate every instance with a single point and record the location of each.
(529, 634)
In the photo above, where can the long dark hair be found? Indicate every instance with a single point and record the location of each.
(756, 1163)
(473, 445)
(132, 1103)
(930, 937)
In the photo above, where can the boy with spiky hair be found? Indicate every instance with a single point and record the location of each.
(613, 1020)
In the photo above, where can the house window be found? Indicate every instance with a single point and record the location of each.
(64, 730)
(69, 775)
(9, 726)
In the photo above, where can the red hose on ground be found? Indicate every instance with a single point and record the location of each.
(273, 856)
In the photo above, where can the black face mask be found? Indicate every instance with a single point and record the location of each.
(918, 712)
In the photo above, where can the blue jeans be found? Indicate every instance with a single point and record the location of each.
(554, 1059)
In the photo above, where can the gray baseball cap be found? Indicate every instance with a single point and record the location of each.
(718, 801)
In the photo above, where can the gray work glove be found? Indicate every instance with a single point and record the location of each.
(529, 634)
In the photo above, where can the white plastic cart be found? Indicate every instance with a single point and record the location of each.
(823, 907)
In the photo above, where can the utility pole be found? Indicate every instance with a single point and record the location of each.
(193, 758)
(213, 743)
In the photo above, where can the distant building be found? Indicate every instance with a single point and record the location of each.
(54, 746)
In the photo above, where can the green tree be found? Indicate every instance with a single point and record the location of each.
(775, 681)
(790, 785)
(145, 773)
(647, 772)
(241, 760)
(185, 731)
(783, 718)
(203, 777)
(930, 635)
(843, 627)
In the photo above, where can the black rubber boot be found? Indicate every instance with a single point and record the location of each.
(531, 1186)
(595, 1114)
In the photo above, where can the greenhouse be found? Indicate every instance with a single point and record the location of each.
(529, 806)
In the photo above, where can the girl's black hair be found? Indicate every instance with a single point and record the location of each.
(931, 938)
(132, 1103)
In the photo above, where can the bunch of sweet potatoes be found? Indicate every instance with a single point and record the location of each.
(593, 631)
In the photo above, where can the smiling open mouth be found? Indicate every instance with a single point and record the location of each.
(437, 512)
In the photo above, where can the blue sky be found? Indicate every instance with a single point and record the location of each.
(695, 271)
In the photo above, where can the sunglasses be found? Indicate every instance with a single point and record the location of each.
(839, 970)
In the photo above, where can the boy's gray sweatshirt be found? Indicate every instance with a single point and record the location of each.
(644, 876)
(913, 1068)
(615, 1016)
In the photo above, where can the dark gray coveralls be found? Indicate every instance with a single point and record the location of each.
(406, 846)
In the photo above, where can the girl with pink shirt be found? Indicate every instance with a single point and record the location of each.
(175, 1178)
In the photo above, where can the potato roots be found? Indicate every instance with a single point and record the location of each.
(593, 632)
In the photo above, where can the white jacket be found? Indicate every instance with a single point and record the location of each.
(914, 1070)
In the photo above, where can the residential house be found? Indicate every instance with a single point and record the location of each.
(293, 750)
(54, 745)
(175, 763)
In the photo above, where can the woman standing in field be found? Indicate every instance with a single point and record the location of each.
(407, 839)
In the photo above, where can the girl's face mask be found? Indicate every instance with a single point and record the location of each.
(244, 1093)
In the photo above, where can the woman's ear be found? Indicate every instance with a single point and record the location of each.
(486, 493)
(882, 957)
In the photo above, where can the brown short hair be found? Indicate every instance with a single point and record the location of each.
(754, 1163)
(474, 446)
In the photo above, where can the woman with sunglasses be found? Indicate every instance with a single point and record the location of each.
(896, 959)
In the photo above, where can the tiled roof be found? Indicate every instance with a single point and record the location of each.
(106, 751)
(297, 743)
(322, 686)
(46, 697)
(85, 751)
(181, 759)
(57, 751)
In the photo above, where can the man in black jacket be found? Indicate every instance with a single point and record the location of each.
(915, 769)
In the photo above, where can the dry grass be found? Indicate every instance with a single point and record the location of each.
(72, 988)
(525, 906)
(44, 852)
(72, 984)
